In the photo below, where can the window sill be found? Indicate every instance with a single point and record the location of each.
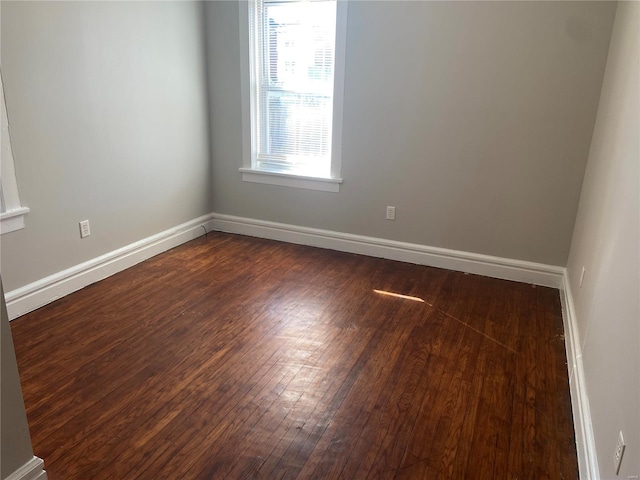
(291, 180)
(12, 220)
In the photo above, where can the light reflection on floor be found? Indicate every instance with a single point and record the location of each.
(399, 295)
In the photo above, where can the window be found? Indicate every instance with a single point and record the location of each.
(293, 78)
(11, 211)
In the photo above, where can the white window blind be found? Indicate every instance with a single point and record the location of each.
(293, 63)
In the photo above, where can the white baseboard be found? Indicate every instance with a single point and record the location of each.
(32, 470)
(34, 295)
(496, 267)
(41, 292)
(585, 441)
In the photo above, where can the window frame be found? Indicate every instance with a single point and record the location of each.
(251, 171)
(12, 212)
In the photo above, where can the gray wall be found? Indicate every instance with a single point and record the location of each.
(107, 110)
(606, 242)
(15, 439)
(473, 118)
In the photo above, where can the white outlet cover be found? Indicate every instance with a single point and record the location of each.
(391, 213)
(85, 230)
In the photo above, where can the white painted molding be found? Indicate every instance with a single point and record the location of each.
(585, 440)
(291, 180)
(41, 292)
(13, 220)
(32, 470)
(496, 267)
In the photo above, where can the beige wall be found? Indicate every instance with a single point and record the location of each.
(606, 242)
(473, 118)
(15, 439)
(107, 110)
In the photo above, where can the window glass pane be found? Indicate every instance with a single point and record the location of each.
(299, 125)
(295, 83)
(301, 40)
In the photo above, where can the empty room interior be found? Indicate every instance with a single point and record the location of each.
(319, 239)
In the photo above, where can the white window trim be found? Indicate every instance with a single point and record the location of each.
(291, 180)
(13, 212)
(249, 170)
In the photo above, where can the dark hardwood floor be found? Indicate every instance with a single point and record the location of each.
(235, 357)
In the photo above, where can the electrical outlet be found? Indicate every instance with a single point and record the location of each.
(617, 456)
(582, 276)
(391, 213)
(85, 231)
